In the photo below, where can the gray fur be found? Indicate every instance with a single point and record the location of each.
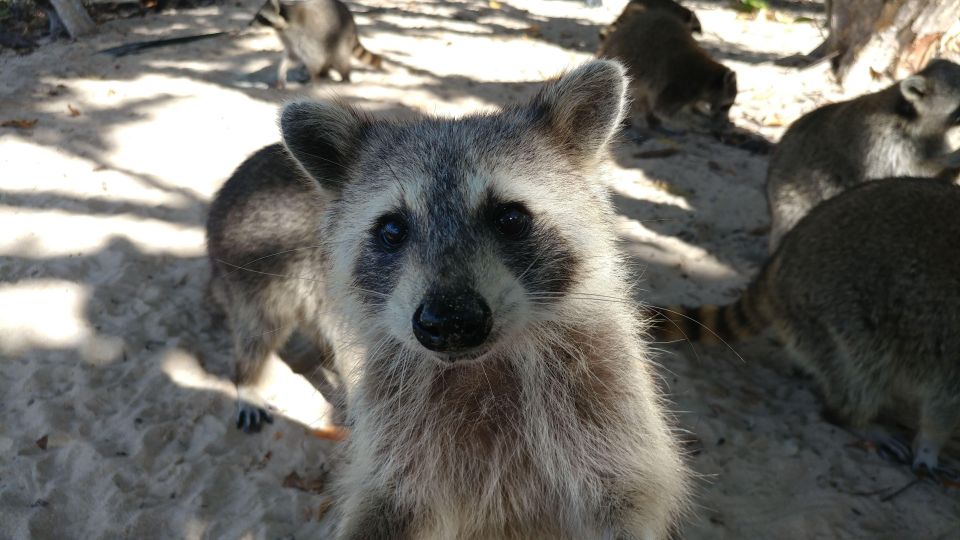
(554, 428)
(899, 131)
(683, 14)
(261, 239)
(669, 70)
(864, 293)
(321, 34)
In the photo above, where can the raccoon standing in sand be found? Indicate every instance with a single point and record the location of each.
(320, 34)
(669, 6)
(899, 131)
(865, 295)
(460, 271)
(668, 69)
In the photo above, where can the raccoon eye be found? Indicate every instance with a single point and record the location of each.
(512, 220)
(391, 232)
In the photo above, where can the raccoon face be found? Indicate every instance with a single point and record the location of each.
(721, 95)
(934, 94)
(448, 236)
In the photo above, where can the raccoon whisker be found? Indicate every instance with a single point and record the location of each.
(661, 310)
(322, 158)
(529, 266)
(245, 265)
(253, 336)
(541, 300)
(238, 267)
(369, 291)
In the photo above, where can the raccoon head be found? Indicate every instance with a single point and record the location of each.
(448, 237)
(720, 95)
(933, 94)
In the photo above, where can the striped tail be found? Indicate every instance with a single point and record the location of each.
(740, 320)
(361, 53)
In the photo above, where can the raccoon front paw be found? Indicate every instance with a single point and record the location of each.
(250, 418)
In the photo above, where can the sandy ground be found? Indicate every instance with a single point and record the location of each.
(116, 405)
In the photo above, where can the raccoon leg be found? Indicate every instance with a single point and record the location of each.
(938, 420)
(663, 106)
(255, 336)
(310, 355)
(282, 69)
(343, 68)
(852, 393)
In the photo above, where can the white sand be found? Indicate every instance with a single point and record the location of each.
(108, 350)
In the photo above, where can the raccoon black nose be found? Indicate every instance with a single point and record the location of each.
(452, 321)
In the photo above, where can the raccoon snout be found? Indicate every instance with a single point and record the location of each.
(452, 321)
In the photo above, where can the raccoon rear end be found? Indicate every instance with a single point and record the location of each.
(321, 34)
(456, 275)
(864, 292)
(899, 131)
(669, 70)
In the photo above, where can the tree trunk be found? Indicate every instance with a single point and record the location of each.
(889, 38)
(74, 17)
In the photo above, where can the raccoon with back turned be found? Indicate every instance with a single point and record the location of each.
(320, 34)
(459, 270)
(865, 295)
(899, 131)
(669, 6)
(669, 70)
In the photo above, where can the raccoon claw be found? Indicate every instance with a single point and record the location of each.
(895, 450)
(251, 419)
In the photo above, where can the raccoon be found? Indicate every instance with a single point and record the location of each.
(669, 6)
(864, 294)
(261, 241)
(899, 131)
(320, 34)
(669, 70)
(458, 269)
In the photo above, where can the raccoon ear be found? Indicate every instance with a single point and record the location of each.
(727, 79)
(322, 138)
(695, 25)
(914, 88)
(584, 108)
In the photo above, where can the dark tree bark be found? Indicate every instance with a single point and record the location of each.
(871, 39)
(74, 17)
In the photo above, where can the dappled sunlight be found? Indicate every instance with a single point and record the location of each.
(117, 365)
(50, 314)
(84, 233)
(288, 393)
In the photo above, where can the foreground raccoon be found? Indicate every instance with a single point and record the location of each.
(320, 34)
(669, 6)
(899, 131)
(457, 267)
(668, 69)
(864, 293)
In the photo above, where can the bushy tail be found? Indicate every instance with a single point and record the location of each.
(361, 53)
(746, 317)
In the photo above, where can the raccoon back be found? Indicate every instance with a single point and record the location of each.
(879, 266)
(876, 266)
(317, 28)
(660, 53)
(265, 208)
